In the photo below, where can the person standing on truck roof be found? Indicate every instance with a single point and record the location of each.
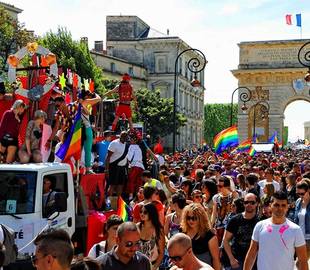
(116, 165)
(54, 250)
(126, 95)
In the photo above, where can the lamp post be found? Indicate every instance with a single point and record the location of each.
(194, 65)
(264, 110)
(304, 59)
(244, 97)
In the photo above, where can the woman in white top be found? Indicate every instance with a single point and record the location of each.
(109, 232)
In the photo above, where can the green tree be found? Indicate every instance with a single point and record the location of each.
(217, 118)
(156, 113)
(73, 55)
(13, 35)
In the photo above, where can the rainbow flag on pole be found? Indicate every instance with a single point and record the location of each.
(245, 145)
(226, 138)
(252, 151)
(123, 210)
(73, 144)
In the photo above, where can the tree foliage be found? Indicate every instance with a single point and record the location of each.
(217, 118)
(73, 55)
(156, 113)
(13, 35)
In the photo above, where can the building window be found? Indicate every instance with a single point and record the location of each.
(113, 69)
(130, 71)
(161, 64)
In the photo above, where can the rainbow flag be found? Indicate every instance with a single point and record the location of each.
(252, 151)
(73, 144)
(245, 145)
(226, 138)
(274, 139)
(123, 210)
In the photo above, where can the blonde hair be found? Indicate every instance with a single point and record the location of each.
(198, 211)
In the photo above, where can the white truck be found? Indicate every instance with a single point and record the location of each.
(22, 207)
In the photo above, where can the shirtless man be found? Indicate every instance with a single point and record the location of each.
(181, 254)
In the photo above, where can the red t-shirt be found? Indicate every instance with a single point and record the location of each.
(4, 106)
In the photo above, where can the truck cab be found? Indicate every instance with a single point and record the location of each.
(23, 202)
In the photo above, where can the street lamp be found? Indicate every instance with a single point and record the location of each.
(264, 111)
(304, 59)
(195, 66)
(244, 97)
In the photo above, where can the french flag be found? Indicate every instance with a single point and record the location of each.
(288, 19)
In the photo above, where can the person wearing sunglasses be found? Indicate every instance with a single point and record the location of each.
(302, 210)
(275, 240)
(109, 231)
(54, 250)
(125, 254)
(181, 254)
(239, 231)
(151, 235)
(195, 223)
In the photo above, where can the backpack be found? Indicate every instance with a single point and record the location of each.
(11, 249)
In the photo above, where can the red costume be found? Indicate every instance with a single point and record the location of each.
(125, 97)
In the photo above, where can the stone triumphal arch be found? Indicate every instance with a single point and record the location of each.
(273, 74)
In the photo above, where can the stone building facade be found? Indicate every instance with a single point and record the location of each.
(307, 130)
(270, 69)
(12, 10)
(127, 39)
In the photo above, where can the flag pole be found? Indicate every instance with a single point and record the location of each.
(77, 185)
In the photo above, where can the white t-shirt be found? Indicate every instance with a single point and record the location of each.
(135, 156)
(118, 149)
(276, 244)
(262, 184)
(92, 251)
(161, 160)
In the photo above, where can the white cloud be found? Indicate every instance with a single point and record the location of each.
(229, 9)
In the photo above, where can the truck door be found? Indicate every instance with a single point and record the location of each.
(52, 184)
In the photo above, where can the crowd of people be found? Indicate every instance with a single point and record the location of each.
(190, 210)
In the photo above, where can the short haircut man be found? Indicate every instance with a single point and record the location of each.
(181, 253)
(54, 250)
(275, 240)
(125, 254)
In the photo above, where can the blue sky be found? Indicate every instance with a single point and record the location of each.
(215, 27)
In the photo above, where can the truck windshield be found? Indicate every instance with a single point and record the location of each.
(17, 192)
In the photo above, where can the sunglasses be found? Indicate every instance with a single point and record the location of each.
(301, 193)
(220, 186)
(178, 258)
(249, 202)
(130, 244)
(198, 196)
(193, 218)
(144, 212)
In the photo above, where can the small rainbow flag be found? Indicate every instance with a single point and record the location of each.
(73, 144)
(252, 151)
(123, 210)
(226, 138)
(245, 145)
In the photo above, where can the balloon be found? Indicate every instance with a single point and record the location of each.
(50, 59)
(13, 60)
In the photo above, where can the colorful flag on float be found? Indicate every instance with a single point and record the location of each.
(73, 144)
(274, 138)
(123, 210)
(289, 19)
(245, 145)
(252, 151)
(226, 138)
